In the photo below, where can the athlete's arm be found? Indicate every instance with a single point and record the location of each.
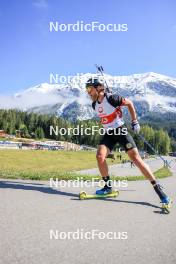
(116, 100)
(130, 105)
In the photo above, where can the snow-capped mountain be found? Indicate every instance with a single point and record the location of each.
(150, 92)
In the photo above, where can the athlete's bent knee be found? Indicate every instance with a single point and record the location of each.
(136, 159)
(100, 157)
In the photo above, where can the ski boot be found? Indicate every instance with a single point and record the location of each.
(166, 201)
(104, 190)
(166, 204)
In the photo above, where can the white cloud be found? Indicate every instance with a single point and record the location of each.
(40, 3)
(43, 95)
(28, 101)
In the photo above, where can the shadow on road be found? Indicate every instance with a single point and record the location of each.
(45, 189)
(125, 201)
(34, 187)
(133, 202)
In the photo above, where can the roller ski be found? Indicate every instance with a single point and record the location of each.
(102, 193)
(166, 205)
(166, 201)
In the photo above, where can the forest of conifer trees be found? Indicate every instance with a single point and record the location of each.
(37, 126)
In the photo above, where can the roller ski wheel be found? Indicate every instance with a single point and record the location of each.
(84, 195)
(167, 206)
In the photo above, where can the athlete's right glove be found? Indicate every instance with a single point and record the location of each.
(135, 126)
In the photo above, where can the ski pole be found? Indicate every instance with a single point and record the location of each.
(100, 69)
(154, 150)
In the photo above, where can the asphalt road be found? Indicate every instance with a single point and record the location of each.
(126, 170)
(30, 210)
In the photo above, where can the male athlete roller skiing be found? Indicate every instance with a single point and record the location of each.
(108, 107)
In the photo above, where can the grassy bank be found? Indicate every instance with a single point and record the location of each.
(31, 175)
(48, 161)
(40, 164)
(43, 165)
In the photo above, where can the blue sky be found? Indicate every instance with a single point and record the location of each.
(29, 52)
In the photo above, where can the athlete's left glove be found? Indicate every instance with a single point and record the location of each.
(135, 126)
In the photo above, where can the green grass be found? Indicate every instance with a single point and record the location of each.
(164, 172)
(43, 165)
(44, 160)
(9, 174)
